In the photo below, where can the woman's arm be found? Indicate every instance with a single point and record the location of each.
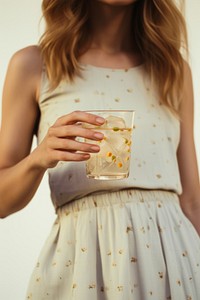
(190, 198)
(18, 175)
(21, 171)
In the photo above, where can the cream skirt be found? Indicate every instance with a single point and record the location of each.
(127, 245)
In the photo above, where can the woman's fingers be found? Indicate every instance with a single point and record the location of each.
(74, 131)
(71, 145)
(70, 156)
(79, 116)
(60, 143)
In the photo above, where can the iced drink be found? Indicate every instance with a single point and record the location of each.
(113, 160)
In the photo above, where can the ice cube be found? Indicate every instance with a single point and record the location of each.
(114, 122)
(105, 148)
(116, 141)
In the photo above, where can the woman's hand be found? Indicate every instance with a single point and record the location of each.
(60, 143)
(191, 208)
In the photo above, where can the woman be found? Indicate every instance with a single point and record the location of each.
(136, 238)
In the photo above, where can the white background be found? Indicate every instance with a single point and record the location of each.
(23, 234)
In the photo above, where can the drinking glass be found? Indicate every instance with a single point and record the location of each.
(113, 159)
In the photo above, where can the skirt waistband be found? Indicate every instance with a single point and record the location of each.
(118, 197)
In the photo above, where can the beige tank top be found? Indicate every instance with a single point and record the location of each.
(155, 137)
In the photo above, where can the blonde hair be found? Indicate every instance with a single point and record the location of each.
(159, 34)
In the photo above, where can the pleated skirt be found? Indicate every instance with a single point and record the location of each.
(125, 245)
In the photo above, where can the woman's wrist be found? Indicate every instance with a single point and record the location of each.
(35, 162)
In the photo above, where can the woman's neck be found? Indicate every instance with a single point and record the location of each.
(111, 41)
(111, 28)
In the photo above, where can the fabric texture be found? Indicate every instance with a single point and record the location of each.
(126, 245)
(124, 239)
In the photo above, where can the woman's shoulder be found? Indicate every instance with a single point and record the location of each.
(26, 67)
(28, 59)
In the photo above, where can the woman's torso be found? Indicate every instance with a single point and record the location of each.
(155, 136)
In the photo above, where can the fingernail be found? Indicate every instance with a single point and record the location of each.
(95, 148)
(100, 120)
(98, 135)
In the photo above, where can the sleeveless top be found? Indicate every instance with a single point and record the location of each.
(155, 136)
